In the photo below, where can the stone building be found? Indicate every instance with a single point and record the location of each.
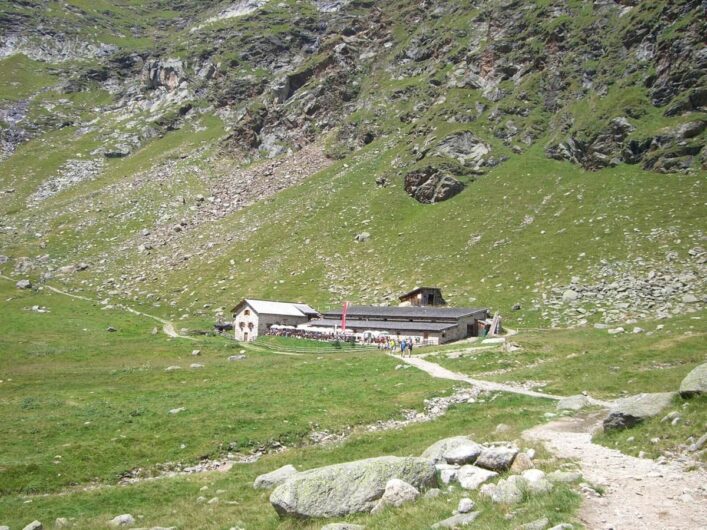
(427, 325)
(423, 296)
(254, 317)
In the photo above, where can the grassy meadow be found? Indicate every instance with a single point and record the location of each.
(82, 406)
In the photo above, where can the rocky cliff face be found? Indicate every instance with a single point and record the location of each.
(282, 75)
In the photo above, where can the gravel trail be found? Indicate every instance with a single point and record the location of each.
(638, 493)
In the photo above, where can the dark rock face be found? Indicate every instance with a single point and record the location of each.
(431, 185)
(673, 150)
(168, 73)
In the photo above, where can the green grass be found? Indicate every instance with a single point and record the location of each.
(101, 400)
(21, 77)
(571, 361)
(93, 405)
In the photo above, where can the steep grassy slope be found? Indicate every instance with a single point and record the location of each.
(536, 84)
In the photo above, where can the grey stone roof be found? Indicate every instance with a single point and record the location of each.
(383, 312)
(382, 325)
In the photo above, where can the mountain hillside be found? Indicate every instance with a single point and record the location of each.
(543, 159)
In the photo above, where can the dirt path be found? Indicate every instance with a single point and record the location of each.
(638, 493)
(167, 326)
(439, 372)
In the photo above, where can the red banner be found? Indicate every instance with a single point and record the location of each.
(343, 316)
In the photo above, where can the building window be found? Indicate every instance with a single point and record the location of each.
(241, 325)
(250, 326)
(246, 312)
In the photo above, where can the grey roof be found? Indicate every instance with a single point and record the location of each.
(385, 325)
(373, 312)
(270, 307)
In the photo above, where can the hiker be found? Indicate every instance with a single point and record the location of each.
(403, 346)
(410, 348)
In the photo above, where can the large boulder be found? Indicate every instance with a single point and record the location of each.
(274, 478)
(437, 451)
(632, 410)
(463, 454)
(497, 458)
(695, 383)
(352, 487)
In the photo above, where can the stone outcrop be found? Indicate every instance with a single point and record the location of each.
(695, 383)
(431, 185)
(627, 412)
(342, 489)
(168, 73)
(465, 148)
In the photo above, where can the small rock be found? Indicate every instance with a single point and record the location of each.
(521, 462)
(122, 520)
(570, 296)
(502, 428)
(447, 472)
(432, 493)
(196, 365)
(577, 402)
(177, 410)
(196, 352)
(24, 284)
(236, 357)
(465, 505)
(496, 458)
(461, 519)
(343, 526)
(213, 500)
(463, 454)
(562, 526)
(34, 525)
(538, 524)
(507, 491)
(564, 476)
(62, 522)
(363, 236)
(615, 331)
(397, 492)
(111, 329)
(471, 477)
(536, 481)
(699, 444)
(172, 368)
